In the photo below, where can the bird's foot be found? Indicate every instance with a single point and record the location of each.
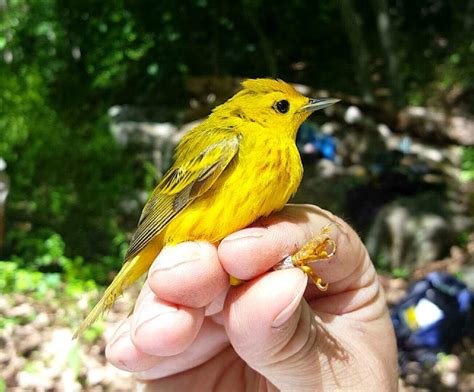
(233, 281)
(320, 247)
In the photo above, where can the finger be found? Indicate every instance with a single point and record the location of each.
(162, 328)
(276, 333)
(297, 346)
(253, 251)
(188, 274)
(273, 332)
(123, 354)
(211, 340)
(217, 305)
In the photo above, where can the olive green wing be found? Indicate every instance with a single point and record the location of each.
(190, 177)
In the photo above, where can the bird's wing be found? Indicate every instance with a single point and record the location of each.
(190, 177)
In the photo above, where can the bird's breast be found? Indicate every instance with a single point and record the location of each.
(260, 180)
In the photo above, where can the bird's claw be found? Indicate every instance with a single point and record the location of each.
(320, 247)
(318, 282)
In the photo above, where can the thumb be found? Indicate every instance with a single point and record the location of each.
(274, 331)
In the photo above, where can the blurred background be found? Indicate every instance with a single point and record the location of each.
(95, 95)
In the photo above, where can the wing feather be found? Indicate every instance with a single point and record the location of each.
(188, 178)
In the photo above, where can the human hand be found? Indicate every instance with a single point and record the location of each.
(189, 331)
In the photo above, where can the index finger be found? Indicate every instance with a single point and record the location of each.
(251, 252)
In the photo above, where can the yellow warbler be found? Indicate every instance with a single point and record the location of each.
(237, 166)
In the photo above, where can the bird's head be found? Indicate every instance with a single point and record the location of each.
(272, 103)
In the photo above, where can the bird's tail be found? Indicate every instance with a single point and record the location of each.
(130, 272)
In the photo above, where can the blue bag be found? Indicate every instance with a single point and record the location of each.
(431, 318)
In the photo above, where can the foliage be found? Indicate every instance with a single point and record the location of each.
(68, 279)
(65, 289)
(402, 273)
(20, 280)
(468, 164)
(65, 62)
(64, 180)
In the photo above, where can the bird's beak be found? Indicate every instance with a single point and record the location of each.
(318, 104)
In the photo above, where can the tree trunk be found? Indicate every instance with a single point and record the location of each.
(3, 201)
(385, 34)
(353, 26)
(469, 17)
(268, 53)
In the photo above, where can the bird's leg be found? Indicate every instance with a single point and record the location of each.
(320, 247)
(233, 281)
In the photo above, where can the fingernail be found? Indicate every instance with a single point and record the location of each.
(156, 310)
(286, 313)
(253, 232)
(172, 256)
(121, 331)
(118, 338)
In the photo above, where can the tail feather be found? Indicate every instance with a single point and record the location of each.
(130, 272)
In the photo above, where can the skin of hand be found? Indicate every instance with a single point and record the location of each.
(277, 331)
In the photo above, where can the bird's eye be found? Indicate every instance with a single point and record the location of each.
(282, 106)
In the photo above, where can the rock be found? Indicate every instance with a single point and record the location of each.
(357, 171)
(449, 379)
(412, 378)
(57, 348)
(28, 342)
(24, 310)
(95, 376)
(384, 131)
(302, 89)
(398, 284)
(395, 290)
(41, 321)
(118, 380)
(467, 383)
(353, 115)
(468, 276)
(186, 128)
(141, 132)
(68, 382)
(470, 245)
(161, 137)
(394, 296)
(413, 367)
(452, 363)
(83, 303)
(437, 125)
(457, 254)
(330, 127)
(22, 331)
(4, 305)
(410, 232)
(4, 344)
(34, 382)
(462, 129)
(327, 169)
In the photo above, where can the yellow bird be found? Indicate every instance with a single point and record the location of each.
(240, 164)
